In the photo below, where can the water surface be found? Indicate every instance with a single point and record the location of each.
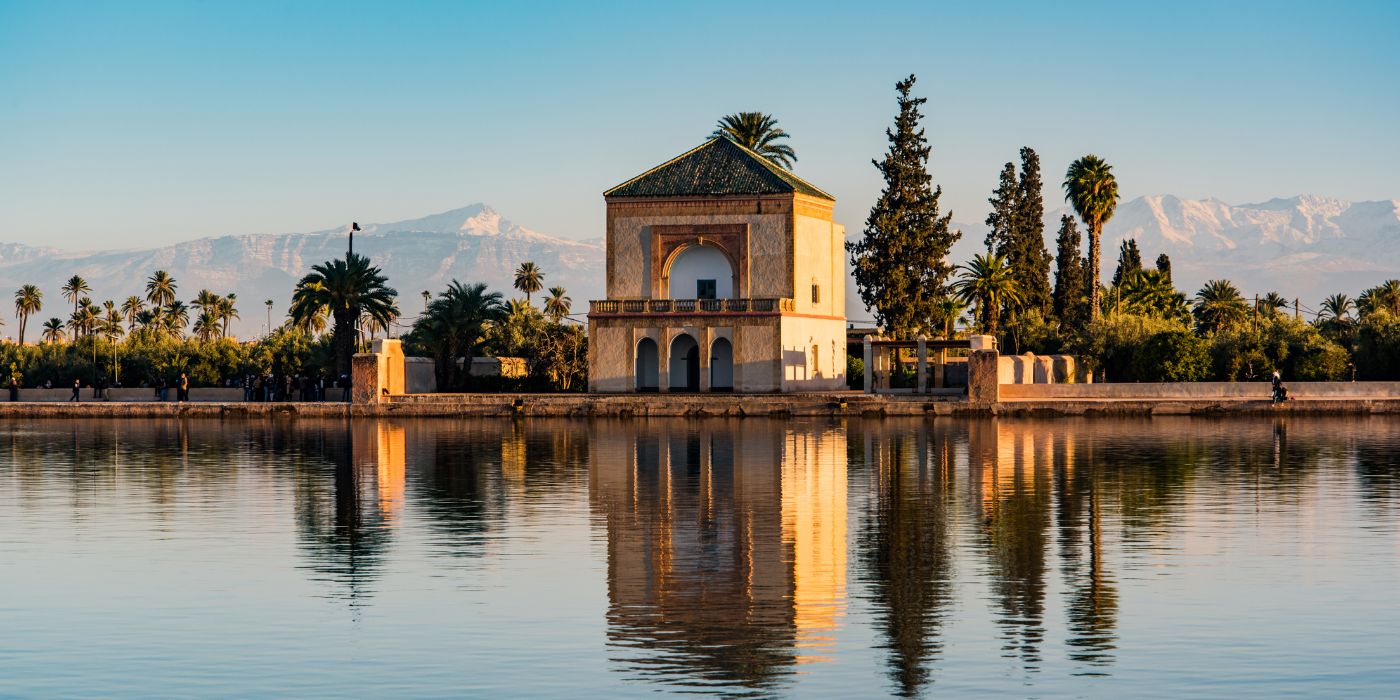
(436, 558)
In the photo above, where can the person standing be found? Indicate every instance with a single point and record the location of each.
(14, 389)
(77, 389)
(182, 392)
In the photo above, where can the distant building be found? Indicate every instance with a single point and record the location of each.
(724, 273)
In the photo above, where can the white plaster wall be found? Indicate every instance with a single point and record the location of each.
(700, 263)
(629, 244)
(819, 258)
(802, 370)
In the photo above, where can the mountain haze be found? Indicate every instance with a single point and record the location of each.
(1305, 246)
(471, 244)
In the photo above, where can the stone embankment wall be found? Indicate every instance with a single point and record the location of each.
(139, 395)
(1198, 390)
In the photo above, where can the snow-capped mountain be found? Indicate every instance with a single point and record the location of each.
(472, 244)
(1305, 246)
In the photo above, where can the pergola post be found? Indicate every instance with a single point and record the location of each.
(869, 369)
(922, 366)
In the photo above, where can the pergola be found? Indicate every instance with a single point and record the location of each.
(878, 353)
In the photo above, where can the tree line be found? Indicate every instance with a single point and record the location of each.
(1136, 327)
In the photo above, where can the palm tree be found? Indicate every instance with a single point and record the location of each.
(1382, 297)
(989, 282)
(345, 289)
(946, 312)
(53, 331)
(313, 324)
(1093, 192)
(556, 307)
(529, 279)
(146, 320)
(759, 133)
(268, 304)
(111, 325)
(1219, 305)
(28, 301)
(73, 290)
(160, 288)
(205, 300)
(1271, 303)
(227, 311)
(1151, 293)
(176, 316)
(452, 327)
(130, 308)
(1337, 308)
(206, 326)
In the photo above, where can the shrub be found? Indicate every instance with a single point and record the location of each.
(1172, 356)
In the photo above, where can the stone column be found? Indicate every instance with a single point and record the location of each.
(704, 338)
(663, 362)
(983, 384)
(921, 368)
(869, 366)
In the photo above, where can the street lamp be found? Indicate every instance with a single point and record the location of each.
(353, 228)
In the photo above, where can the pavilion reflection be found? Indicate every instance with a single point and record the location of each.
(726, 549)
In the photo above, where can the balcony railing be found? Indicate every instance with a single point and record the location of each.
(689, 306)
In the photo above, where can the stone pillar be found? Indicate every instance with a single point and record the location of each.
(663, 362)
(869, 366)
(377, 374)
(1044, 369)
(983, 384)
(983, 342)
(703, 337)
(940, 369)
(921, 368)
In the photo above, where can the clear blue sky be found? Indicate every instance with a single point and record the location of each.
(132, 124)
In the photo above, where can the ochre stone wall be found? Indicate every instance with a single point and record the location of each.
(813, 353)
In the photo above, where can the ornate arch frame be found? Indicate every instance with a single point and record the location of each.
(669, 241)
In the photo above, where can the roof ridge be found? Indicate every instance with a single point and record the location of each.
(776, 169)
(716, 169)
(610, 190)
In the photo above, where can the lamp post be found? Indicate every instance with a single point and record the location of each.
(351, 251)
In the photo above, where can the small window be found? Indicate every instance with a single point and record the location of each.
(704, 289)
(816, 294)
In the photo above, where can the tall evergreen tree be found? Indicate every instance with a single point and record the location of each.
(900, 263)
(1129, 261)
(1001, 222)
(1028, 258)
(1164, 266)
(1071, 282)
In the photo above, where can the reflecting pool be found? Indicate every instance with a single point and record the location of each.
(1183, 556)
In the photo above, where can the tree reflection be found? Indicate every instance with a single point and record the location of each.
(906, 545)
(340, 526)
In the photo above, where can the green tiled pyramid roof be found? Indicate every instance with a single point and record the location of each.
(715, 168)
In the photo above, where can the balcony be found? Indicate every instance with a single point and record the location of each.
(689, 307)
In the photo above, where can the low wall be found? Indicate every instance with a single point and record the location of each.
(419, 375)
(1199, 390)
(139, 395)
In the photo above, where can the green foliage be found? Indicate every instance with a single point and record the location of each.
(1164, 265)
(1017, 232)
(452, 328)
(1129, 261)
(529, 279)
(146, 357)
(759, 133)
(991, 284)
(1071, 303)
(1378, 347)
(900, 262)
(1110, 345)
(1297, 350)
(1172, 356)
(855, 372)
(1219, 306)
(345, 289)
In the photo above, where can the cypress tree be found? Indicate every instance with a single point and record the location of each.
(1071, 282)
(1029, 259)
(900, 263)
(1129, 261)
(1164, 266)
(1001, 223)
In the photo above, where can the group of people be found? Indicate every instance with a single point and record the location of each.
(302, 387)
